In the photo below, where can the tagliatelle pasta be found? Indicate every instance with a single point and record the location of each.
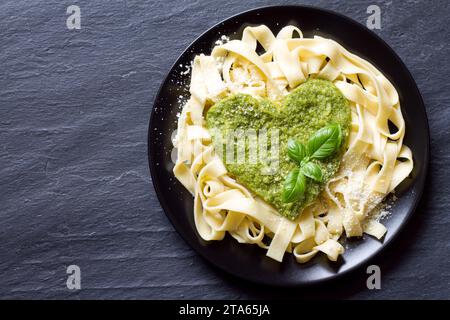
(374, 163)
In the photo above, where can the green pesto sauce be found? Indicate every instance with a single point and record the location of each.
(313, 105)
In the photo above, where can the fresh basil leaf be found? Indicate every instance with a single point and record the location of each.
(294, 186)
(313, 171)
(296, 150)
(325, 142)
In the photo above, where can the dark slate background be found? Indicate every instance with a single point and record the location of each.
(74, 179)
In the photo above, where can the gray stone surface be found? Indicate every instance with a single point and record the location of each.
(74, 180)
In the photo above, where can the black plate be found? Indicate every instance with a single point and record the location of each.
(249, 261)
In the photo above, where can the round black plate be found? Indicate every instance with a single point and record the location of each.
(249, 261)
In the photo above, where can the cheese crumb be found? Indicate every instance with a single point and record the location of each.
(223, 39)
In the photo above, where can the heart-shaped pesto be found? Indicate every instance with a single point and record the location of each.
(251, 128)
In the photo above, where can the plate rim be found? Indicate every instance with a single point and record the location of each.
(387, 243)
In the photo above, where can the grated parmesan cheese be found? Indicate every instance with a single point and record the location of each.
(222, 40)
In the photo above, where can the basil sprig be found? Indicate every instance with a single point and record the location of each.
(321, 145)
